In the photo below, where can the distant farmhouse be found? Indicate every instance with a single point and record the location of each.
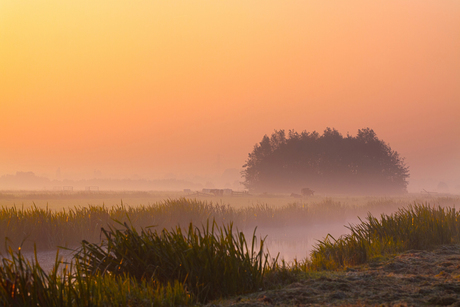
(218, 192)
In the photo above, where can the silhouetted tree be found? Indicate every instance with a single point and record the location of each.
(326, 163)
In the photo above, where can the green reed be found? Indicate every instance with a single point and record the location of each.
(47, 229)
(25, 283)
(146, 266)
(419, 226)
(211, 261)
(140, 268)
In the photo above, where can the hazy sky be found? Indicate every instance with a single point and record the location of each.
(188, 87)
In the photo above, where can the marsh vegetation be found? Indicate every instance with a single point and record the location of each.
(168, 253)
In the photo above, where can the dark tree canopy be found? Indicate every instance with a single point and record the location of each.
(328, 163)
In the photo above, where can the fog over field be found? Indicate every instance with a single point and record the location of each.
(229, 179)
(291, 226)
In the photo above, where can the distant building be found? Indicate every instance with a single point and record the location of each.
(218, 192)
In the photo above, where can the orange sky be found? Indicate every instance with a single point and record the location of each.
(186, 87)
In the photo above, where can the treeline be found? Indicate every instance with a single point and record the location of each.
(30, 181)
(328, 163)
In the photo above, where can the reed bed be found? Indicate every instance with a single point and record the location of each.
(130, 265)
(131, 268)
(420, 226)
(25, 283)
(211, 261)
(47, 229)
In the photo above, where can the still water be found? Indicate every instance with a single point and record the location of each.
(298, 242)
(290, 242)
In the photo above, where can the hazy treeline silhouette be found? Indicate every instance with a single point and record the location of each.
(329, 163)
(30, 181)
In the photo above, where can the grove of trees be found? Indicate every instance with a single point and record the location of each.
(327, 163)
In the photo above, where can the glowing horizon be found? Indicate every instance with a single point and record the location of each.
(152, 88)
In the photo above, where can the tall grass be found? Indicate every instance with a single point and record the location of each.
(48, 229)
(146, 268)
(419, 226)
(25, 283)
(211, 261)
(134, 266)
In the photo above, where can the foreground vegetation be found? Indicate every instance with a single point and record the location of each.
(416, 227)
(185, 266)
(25, 283)
(132, 268)
(212, 261)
